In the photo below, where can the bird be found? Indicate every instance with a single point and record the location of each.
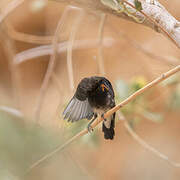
(93, 97)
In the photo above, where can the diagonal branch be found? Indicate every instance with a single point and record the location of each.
(144, 144)
(158, 19)
(148, 147)
(9, 8)
(109, 113)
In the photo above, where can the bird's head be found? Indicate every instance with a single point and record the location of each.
(104, 87)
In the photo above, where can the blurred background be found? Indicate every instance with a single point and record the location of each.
(128, 54)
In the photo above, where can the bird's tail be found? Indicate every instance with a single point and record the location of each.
(109, 129)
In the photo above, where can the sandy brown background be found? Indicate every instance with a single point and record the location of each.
(122, 158)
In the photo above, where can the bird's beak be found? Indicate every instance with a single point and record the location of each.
(104, 87)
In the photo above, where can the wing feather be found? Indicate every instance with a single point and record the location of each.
(84, 111)
(77, 110)
(68, 108)
(89, 109)
(78, 114)
(74, 111)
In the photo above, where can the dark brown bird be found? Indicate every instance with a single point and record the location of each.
(94, 96)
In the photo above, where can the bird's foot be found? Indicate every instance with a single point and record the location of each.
(102, 115)
(89, 128)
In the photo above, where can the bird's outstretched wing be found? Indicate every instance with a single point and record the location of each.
(77, 109)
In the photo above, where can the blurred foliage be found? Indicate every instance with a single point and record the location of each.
(173, 102)
(171, 81)
(21, 145)
(139, 108)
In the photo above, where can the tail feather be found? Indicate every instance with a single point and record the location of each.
(109, 132)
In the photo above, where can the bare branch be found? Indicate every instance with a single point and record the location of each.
(12, 111)
(145, 145)
(157, 17)
(9, 8)
(148, 147)
(10, 50)
(50, 66)
(109, 113)
(100, 44)
(28, 38)
(44, 50)
(173, 61)
(71, 40)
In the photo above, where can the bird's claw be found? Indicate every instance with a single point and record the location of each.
(89, 128)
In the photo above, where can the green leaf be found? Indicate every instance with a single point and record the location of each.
(138, 5)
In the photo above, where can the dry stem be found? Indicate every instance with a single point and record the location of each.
(157, 17)
(100, 45)
(51, 65)
(109, 113)
(173, 61)
(28, 38)
(155, 23)
(71, 40)
(10, 51)
(44, 50)
(145, 145)
(9, 8)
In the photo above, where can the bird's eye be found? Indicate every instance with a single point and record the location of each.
(103, 87)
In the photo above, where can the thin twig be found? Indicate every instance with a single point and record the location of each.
(173, 61)
(28, 38)
(10, 51)
(148, 147)
(107, 114)
(57, 149)
(44, 50)
(9, 8)
(3, 15)
(71, 40)
(100, 44)
(170, 61)
(50, 65)
(12, 111)
(144, 144)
